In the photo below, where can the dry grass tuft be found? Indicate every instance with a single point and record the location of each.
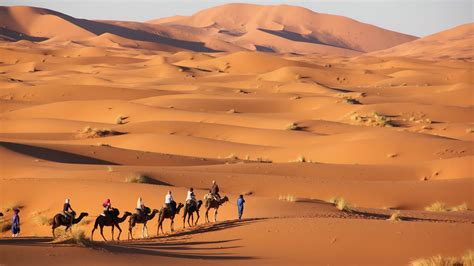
(120, 120)
(374, 119)
(395, 217)
(76, 237)
(289, 198)
(466, 260)
(42, 220)
(138, 178)
(350, 100)
(459, 208)
(340, 203)
(437, 207)
(293, 126)
(90, 132)
(443, 207)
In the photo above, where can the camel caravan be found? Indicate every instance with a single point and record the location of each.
(111, 216)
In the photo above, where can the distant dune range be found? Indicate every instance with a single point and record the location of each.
(289, 107)
(284, 29)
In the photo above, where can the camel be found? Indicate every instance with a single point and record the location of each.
(140, 219)
(166, 213)
(60, 220)
(189, 210)
(212, 203)
(102, 221)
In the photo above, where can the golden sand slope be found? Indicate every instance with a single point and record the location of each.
(454, 43)
(283, 28)
(290, 132)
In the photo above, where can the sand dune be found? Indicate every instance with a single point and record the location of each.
(285, 28)
(110, 109)
(455, 43)
(208, 30)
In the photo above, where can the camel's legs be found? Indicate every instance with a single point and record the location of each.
(197, 219)
(184, 218)
(171, 225)
(120, 231)
(207, 215)
(215, 216)
(102, 232)
(113, 232)
(130, 227)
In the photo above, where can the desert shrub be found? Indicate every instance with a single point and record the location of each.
(437, 207)
(300, 159)
(41, 220)
(340, 203)
(137, 178)
(381, 120)
(350, 100)
(90, 132)
(459, 208)
(289, 198)
(120, 120)
(293, 126)
(76, 236)
(466, 260)
(442, 207)
(395, 216)
(6, 226)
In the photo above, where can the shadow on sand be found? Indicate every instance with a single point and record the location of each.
(179, 248)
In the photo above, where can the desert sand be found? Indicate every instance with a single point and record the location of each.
(108, 109)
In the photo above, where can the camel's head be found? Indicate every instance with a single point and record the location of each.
(225, 198)
(84, 214)
(127, 213)
(155, 211)
(1, 214)
(199, 203)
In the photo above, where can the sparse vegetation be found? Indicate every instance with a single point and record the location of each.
(293, 126)
(289, 198)
(442, 207)
(10, 207)
(90, 132)
(340, 203)
(374, 119)
(120, 120)
(41, 220)
(137, 178)
(466, 260)
(300, 159)
(6, 225)
(76, 236)
(351, 100)
(437, 207)
(459, 208)
(395, 216)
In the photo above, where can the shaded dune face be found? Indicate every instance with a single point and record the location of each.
(454, 43)
(105, 111)
(284, 29)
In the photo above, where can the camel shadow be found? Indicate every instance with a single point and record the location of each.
(26, 241)
(52, 155)
(175, 245)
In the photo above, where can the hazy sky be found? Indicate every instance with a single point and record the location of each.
(416, 17)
